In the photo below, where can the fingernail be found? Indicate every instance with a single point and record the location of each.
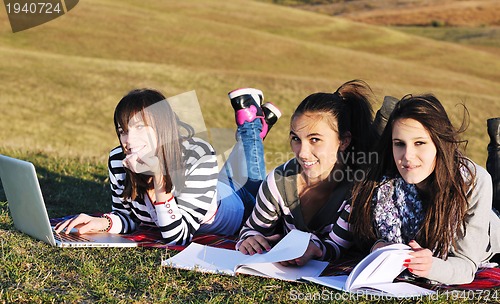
(407, 261)
(406, 265)
(410, 270)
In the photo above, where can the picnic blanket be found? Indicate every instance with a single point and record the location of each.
(150, 237)
(486, 278)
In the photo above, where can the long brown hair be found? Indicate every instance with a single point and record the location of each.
(156, 112)
(446, 198)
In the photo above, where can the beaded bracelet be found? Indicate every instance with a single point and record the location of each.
(110, 223)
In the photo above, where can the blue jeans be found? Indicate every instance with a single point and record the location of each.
(245, 168)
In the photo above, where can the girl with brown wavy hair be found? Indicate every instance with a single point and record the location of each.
(424, 192)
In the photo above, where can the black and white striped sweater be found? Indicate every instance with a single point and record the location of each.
(179, 219)
(277, 211)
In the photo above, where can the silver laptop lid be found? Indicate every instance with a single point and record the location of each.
(26, 204)
(29, 213)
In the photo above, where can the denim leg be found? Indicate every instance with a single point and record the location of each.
(249, 136)
(245, 168)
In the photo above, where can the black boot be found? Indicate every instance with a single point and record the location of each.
(383, 114)
(493, 161)
(271, 116)
(247, 104)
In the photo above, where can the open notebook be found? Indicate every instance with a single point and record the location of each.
(375, 274)
(231, 262)
(29, 214)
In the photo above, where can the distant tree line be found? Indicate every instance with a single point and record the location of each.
(311, 2)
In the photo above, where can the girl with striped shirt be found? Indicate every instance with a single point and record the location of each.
(329, 134)
(163, 176)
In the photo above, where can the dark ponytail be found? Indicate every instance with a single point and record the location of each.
(358, 115)
(349, 106)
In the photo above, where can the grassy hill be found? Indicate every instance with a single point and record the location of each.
(469, 13)
(61, 80)
(475, 23)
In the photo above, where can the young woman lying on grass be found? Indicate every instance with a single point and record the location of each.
(310, 191)
(427, 194)
(164, 179)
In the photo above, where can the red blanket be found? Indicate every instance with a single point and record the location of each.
(151, 237)
(486, 278)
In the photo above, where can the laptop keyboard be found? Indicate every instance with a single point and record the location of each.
(63, 237)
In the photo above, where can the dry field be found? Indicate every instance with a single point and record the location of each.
(61, 80)
(412, 12)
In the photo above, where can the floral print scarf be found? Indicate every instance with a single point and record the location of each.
(398, 211)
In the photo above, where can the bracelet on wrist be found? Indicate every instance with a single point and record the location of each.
(163, 203)
(110, 223)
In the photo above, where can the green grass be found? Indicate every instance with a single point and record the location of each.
(62, 80)
(34, 272)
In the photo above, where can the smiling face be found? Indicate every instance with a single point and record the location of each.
(139, 138)
(414, 151)
(315, 145)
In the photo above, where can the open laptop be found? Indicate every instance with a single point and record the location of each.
(29, 214)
